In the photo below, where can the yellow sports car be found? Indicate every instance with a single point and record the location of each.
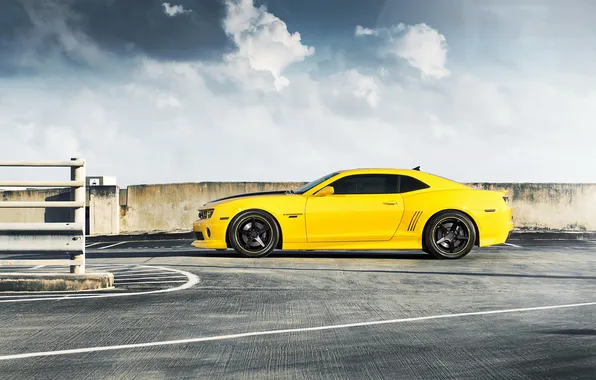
(360, 209)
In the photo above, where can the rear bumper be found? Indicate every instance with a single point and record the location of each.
(210, 234)
(495, 228)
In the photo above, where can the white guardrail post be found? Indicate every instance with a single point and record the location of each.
(68, 237)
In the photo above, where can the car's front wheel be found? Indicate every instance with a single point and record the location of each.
(449, 235)
(253, 233)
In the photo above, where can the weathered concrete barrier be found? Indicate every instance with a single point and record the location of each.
(52, 282)
(550, 206)
(104, 210)
(172, 207)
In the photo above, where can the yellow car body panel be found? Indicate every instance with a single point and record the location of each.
(393, 221)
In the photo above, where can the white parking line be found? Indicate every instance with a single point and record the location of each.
(513, 245)
(113, 245)
(149, 282)
(130, 268)
(275, 332)
(126, 273)
(92, 244)
(38, 267)
(192, 281)
(103, 267)
(173, 277)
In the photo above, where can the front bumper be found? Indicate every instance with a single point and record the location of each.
(210, 234)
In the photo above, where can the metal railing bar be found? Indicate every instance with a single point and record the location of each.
(42, 204)
(71, 163)
(40, 262)
(42, 184)
(31, 226)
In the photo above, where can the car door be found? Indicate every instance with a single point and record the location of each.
(363, 207)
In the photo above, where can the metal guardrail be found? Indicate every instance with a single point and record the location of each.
(48, 237)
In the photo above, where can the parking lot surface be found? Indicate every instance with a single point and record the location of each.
(521, 311)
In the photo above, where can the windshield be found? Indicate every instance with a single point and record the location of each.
(310, 185)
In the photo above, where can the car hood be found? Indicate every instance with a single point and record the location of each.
(247, 195)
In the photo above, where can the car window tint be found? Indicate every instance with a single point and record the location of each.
(408, 183)
(366, 184)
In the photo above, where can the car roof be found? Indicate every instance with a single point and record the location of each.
(376, 170)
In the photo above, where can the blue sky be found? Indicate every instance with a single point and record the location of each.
(288, 90)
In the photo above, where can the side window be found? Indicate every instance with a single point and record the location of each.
(366, 184)
(407, 184)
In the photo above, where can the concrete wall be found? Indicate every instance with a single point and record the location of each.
(550, 205)
(104, 210)
(172, 207)
(36, 215)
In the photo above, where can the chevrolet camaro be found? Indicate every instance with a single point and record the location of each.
(360, 209)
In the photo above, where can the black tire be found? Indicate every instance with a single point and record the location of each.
(251, 242)
(442, 243)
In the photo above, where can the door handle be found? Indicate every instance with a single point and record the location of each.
(390, 203)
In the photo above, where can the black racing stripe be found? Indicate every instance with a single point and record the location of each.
(417, 219)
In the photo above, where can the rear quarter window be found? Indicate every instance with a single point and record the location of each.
(407, 184)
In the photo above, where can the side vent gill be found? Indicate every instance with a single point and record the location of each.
(414, 220)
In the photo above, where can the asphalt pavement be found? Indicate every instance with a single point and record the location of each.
(521, 311)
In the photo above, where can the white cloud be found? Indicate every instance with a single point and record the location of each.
(174, 10)
(263, 40)
(425, 49)
(422, 46)
(165, 101)
(157, 121)
(52, 41)
(362, 31)
(351, 93)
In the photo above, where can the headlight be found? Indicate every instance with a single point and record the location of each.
(205, 214)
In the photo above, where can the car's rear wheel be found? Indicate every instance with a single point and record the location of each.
(449, 235)
(253, 233)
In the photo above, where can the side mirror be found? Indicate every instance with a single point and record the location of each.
(327, 190)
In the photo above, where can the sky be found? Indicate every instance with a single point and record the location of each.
(149, 91)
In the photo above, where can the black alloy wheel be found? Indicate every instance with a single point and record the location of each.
(254, 234)
(449, 235)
